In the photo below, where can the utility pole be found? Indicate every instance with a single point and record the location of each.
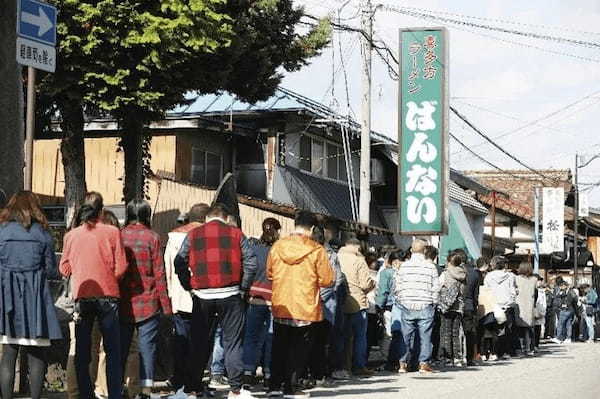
(576, 220)
(29, 129)
(365, 133)
(536, 205)
(493, 238)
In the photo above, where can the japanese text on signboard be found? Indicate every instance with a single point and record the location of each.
(422, 133)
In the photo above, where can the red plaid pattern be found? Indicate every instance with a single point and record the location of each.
(144, 285)
(215, 256)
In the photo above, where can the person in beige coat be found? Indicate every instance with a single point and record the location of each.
(360, 283)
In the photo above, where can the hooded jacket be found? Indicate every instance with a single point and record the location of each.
(358, 275)
(455, 276)
(298, 268)
(504, 287)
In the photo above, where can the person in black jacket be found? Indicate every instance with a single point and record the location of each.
(566, 302)
(470, 321)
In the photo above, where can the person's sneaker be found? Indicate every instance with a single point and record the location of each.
(219, 381)
(363, 372)
(296, 394)
(425, 368)
(530, 353)
(556, 341)
(493, 358)
(326, 383)
(340, 375)
(590, 341)
(274, 394)
(242, 394)
(506, 356)
(403, 369)
(568, 341)
(458, 363)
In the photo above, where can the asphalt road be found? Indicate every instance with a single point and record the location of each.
(568, 371)
(561, 372)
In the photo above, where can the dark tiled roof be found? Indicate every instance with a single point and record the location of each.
(323, 196)
(463, 198)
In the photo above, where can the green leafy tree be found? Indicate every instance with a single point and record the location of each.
(136, 59)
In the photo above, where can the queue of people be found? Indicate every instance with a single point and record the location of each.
(299, 311)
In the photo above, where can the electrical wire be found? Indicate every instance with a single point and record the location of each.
(491, 141)
(462, 144)
(497, 20)
(533, 35)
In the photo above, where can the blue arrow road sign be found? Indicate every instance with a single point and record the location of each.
(37, 21)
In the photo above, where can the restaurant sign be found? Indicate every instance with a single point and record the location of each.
(423, 132)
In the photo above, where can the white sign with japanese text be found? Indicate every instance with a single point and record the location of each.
(553, 230)
(35, 54)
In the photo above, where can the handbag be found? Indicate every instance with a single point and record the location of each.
(65, 304)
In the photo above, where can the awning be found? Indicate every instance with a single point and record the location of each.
(459, 235)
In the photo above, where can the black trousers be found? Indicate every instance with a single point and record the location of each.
(320, 351)
(450, 343)
(509, 341)
(470, 329)
(290, 355)
(537, 336)
(230, 314)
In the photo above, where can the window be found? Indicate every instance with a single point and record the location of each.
(317, 161)
(305, 153)
(207, 168)
(333, 153)
(324, 158)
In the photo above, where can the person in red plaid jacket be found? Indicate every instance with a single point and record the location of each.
(217, 264)
(143, 290)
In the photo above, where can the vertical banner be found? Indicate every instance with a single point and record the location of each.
(423, 132)
(553, 229)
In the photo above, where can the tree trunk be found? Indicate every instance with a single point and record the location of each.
(72, 150)
(11, 104)
(133, 143)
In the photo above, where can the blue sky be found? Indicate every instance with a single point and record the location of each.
(499, 85)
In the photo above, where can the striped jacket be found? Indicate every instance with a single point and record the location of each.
(417, 283)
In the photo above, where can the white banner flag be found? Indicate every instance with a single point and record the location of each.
(553, 229)
(584, 206)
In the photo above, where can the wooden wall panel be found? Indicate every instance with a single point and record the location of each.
(104, 165)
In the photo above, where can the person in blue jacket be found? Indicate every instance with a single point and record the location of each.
(27, 316)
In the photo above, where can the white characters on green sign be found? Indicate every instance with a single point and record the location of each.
(421, 179)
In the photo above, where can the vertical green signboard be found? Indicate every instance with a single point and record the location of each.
(423, 132)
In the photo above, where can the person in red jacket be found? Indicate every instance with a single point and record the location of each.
(143, 290)
(217, 264)
(94, 258)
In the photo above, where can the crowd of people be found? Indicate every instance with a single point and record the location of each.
(272, 313)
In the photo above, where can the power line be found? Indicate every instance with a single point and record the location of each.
(497, 20)
(533, 35)
(486, 161)
(475, 129)
(547, 116)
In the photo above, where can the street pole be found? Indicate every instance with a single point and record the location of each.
(576, 217)
(29, 128)
(493, 240)
(536, 258)
(365, 133)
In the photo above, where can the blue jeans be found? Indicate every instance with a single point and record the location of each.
(565, 324)
(182, 323)
(106, 310)
(356, 324)
(148, 340)
(217, 366)
(421, 320)
(258, 336)
(336, 338)
(398, 346)
(589, 322)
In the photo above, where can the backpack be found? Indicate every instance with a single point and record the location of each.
(448, 296)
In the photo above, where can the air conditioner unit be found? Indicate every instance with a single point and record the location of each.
(377, 172)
